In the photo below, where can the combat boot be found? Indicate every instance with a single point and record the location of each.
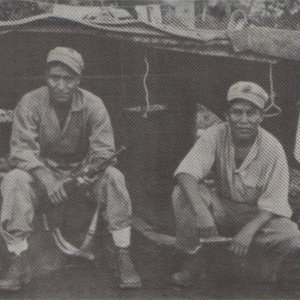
(17, 275)
(192, 269)
(128, 277)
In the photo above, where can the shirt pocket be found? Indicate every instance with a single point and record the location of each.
(252, 189)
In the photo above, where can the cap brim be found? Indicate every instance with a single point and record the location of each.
(66, 61)
(256, 100)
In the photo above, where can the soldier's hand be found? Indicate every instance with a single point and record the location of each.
(240, 243)
(89, 181)
(56, 192)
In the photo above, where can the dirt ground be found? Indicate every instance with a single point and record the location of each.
(79, 279)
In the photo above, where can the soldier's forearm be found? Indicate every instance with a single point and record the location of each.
(196, 195)
(43, 175)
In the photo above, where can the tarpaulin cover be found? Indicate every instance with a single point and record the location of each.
(207, 42)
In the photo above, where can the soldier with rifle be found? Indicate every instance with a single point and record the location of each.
(60, 130)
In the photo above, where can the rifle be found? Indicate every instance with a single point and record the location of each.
(76, 187)
(90, 172)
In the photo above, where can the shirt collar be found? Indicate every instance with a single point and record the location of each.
(77, 102)
(253, 150)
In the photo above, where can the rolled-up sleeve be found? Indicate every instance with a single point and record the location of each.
(24, 145)
(101, 139)
(275, 195)
(200, 159)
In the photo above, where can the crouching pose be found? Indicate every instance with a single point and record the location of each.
(58, 129)
(251, 180)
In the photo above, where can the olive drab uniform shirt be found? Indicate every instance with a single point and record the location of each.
(38, 140)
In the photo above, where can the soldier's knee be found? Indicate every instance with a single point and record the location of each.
(17, 176)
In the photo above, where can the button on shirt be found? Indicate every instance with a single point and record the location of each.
(38, 140)
(260, 183)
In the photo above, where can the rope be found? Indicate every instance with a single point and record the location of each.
(273, 105)
(272, 92)
(145, 115)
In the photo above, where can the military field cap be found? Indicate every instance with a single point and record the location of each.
(248, 91)
(67, 56)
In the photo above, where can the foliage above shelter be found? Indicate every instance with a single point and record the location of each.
(272, 13)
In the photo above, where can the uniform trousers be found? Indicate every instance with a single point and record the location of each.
(277, 239)
(22, 197)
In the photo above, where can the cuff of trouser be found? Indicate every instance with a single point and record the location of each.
(121, 237)
(207, 232)
(18, 248)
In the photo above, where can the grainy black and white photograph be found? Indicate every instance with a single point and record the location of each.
(149, 149)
